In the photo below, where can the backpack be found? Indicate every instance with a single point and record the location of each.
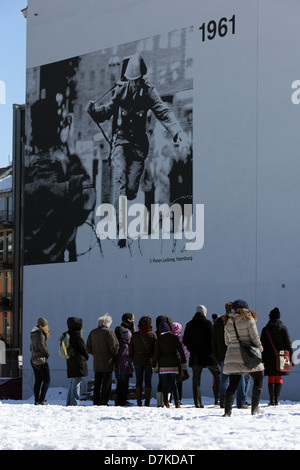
(65, 349)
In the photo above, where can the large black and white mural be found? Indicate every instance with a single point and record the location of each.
(162, 162)
(109, 134)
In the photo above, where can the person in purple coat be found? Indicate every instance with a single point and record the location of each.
(123, 369)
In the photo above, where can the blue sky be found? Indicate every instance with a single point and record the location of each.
(12, 70)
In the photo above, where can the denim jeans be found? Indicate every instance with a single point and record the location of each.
(242, 390)
(73, 397)
(224, 381)
(142, 372)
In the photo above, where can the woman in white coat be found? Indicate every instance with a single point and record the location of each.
(245, 322)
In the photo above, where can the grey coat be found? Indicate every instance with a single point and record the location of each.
(247, 331)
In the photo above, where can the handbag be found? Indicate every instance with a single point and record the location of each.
(251, 355)
(182, 374)
(283, 362)
(148, 352)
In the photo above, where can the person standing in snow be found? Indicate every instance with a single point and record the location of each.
(166, 348)
(281, 339)
(245, 321)
(141, 349)
(198, 339)
(159, 392)
(176, 330)
(123, 368)
(219, 350)
(39, 360)
(103, 345)
(76, 365)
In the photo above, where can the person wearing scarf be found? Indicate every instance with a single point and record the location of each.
(39, 360)
(141, 348)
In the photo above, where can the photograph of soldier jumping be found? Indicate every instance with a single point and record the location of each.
(132, 98)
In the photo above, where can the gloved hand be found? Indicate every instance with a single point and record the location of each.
(155, 370)
(90, 107)
(184, 366)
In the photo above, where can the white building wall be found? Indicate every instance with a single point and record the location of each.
(245, 172)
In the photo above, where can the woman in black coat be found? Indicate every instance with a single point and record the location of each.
(281, 339)
(76, 365)
(165, 356)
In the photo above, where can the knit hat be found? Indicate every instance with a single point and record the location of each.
(201, 309)
(274, 314)
(214, 317)
(126, 334)
(177, 328)
(42, 322)
(163, 327)
(239, 304)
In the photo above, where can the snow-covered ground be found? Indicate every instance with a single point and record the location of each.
(24, 426)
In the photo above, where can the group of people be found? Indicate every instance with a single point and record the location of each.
(212, 345)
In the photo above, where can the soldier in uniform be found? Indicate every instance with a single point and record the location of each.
(129, 105)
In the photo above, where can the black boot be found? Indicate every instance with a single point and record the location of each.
(229, 398)
(277, 392)
(271, 388)
(197, 397)
(216, 390)
(256, 393)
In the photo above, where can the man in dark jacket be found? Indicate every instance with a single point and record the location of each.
(103, 344)
(198, 340)
(76, 365)
(219, 351)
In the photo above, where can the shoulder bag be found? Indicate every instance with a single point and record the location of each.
(251, 355)
(283, 363)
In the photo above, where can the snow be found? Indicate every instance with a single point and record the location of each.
(24, 426)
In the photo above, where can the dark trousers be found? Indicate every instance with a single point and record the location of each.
(169, 386)
(102, 388)
(122, 388)
(42, 381)
(128, 165)
(197, 371)
(257, 379)
(143, 373)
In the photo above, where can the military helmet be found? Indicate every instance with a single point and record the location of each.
(136, 67)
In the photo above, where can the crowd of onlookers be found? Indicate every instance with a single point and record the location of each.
(168, 350)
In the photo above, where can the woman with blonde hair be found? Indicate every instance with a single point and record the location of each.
(39, 360)
(244, 320)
